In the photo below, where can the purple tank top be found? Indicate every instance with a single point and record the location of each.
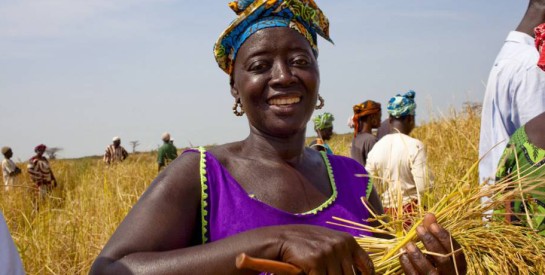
(226, 208)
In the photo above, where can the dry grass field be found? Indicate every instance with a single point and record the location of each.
(69, 229)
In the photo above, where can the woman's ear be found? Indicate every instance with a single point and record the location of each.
(234, 92)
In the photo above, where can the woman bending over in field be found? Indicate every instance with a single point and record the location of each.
(267, 195)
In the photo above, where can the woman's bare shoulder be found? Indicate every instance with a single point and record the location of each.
(225, 153)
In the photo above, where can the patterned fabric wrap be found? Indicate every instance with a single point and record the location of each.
(323, 121)
(540, 39)
(40, 171)
(366, 108)
(522, 159)
(303, 16)
(402, 105)
(40, 147)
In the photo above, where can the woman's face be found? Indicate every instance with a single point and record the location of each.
(276, 77)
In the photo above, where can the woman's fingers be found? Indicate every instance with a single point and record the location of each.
(438, 240)
(406, 265)
(431, 241)
(429, 219)
(348, 266)
(323, 251)
(363, 262)
(417, 262)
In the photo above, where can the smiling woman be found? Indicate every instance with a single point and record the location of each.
(268, 195)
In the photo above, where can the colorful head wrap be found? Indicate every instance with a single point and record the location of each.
(303, 16)
(39, 148)
(323, 121)
(402, 105)
(540, 39)
(366, 108)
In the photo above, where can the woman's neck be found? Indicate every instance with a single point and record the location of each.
(366, 128)
(289, 149)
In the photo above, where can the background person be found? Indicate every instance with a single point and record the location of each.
(515, 92)
(323, 125)
(267, 195)
(167, 152)
(40, 172)
(9, 170)
(366, 118)
(383, 129)
(397, 163)
(115, 152)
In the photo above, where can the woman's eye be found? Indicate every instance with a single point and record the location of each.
(301, 61)
(258, 66)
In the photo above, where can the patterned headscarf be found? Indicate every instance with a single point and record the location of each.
(540, 39)
(303, 16)
(323, 121)
(402, 105)
(366, 108)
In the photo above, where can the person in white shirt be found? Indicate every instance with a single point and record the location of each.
(397, 163)
(515, 92)
(10, 261)
(9, 169)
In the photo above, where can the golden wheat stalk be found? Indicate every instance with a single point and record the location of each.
(491, 247)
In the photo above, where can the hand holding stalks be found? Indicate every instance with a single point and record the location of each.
(444, 254)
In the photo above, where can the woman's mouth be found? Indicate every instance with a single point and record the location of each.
(284, 101)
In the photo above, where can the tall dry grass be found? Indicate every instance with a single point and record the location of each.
(69, 229)
(65, 232)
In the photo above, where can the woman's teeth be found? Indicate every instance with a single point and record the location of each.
(284, 101)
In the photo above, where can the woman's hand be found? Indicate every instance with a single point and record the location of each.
(318, 250)
(438, 240)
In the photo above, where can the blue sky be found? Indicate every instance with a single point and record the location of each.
(75, 73)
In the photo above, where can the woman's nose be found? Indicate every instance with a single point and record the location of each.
(282, 74)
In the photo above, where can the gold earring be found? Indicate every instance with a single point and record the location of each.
(321, 105)
(235, 108)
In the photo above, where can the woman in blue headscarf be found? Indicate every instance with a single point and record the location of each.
(267, 195)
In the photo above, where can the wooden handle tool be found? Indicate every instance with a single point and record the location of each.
(262, 265)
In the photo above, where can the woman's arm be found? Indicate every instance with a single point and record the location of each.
(161, 235)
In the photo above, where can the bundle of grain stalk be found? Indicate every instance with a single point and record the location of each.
(491, 246)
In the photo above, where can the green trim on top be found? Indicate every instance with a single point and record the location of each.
(204, 195)
(369, 188)
(333, 187)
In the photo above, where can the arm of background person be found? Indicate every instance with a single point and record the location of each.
(7, 167)
(107, 156)
(124, 153)
(160, 157)
(10, 261)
